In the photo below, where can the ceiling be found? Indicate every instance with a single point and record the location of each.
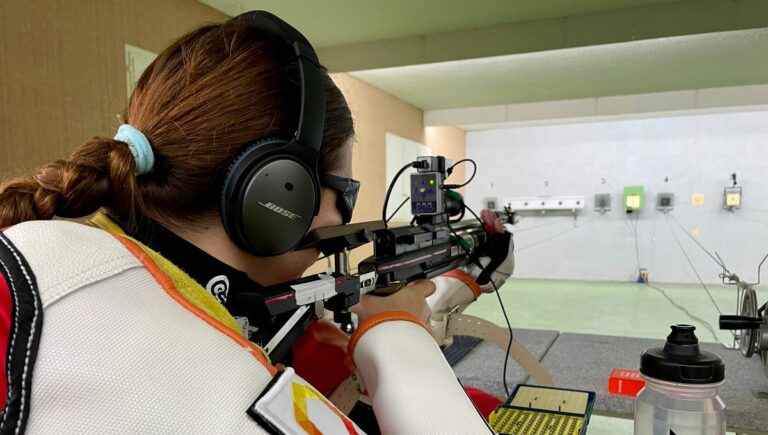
(709, 60)
(443, 54)
(340, 22)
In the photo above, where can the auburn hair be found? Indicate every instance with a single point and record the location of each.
(199, 103)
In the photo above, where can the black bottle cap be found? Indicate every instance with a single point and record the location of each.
(681, 361)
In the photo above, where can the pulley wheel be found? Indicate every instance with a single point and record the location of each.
(747, 338)
(762, 342)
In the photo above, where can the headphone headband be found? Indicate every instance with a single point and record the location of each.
(311, 122)
(271, 192)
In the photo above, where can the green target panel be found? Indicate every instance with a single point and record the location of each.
(634, 198)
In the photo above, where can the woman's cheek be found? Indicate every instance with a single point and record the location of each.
(294, 264)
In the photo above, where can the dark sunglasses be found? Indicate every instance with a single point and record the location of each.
(347, 189)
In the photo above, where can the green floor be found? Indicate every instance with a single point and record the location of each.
(600, 425)
(608, 308)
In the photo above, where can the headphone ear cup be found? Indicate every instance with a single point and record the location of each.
(232, 178)
(269, 198)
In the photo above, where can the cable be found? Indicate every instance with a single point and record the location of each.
(690, 236)
(690, 315)
(536, 227)
(473, 214)
(760, 266)
(719, 258)
(632, 227)
(548, 239)
(506, 318)
(503, 310)
(397, 210)
(389, 190)
(511, 337)
(637, 243)
(695, 271)
(628, 225)
(474, 172)
(652, 256)
(466, 251)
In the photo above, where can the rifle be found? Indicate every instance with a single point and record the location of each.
(435, 242)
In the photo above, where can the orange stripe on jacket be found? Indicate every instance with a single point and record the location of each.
(372, 321)
(467, 279)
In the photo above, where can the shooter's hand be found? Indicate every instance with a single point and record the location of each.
(462, 287)
(491, 222)
(411, 298)
(498, 260)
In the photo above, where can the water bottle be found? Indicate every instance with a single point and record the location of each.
(681, 388)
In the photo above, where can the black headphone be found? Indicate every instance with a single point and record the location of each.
(271, 192)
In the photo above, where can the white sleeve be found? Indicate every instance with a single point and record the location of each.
(450, 292)
(411, 385)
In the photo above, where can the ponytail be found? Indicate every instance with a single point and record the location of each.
(98, 174)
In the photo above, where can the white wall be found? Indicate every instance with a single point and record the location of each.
(697, 154)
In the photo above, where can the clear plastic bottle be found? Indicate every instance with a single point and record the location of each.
(681, 391)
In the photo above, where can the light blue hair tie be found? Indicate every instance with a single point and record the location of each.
(139, 146)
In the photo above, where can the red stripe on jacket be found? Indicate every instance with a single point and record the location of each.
(5, 327)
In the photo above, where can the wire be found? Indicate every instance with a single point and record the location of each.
(690, 236)
(466, 251)
(632, 227)
(503, 311)
(719, 258)
(536, 227)
(473, 214)
(695, 271)
(760, 266)
(628, 225)
(555, 236)
(652, 256)
(474, 172)
(389, 190)
(511, 337)
(690, 315)
(637, 243)
(397, 210)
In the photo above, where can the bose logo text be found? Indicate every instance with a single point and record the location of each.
(279, 210)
